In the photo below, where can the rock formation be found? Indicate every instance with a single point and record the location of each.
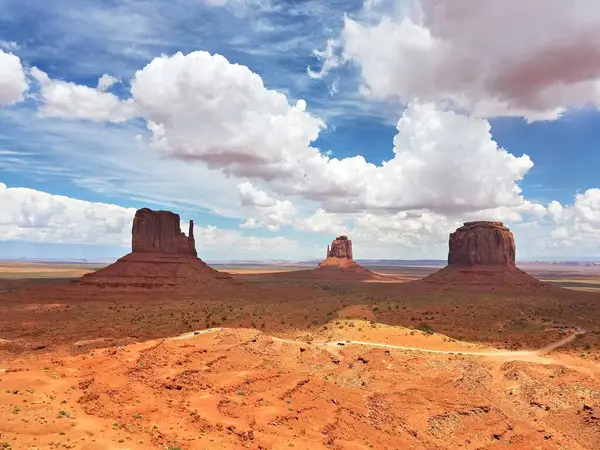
(162, 257)
(160, 232)
(482, 244)
(482, 254)
(341, 247)
(340, 264)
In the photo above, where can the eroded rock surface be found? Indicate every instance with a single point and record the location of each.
(341, 247)
(161, 257)
(339, 264)
(482, 244)
(482, 256)
(160, 232)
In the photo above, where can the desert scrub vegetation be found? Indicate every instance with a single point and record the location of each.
(425, 328)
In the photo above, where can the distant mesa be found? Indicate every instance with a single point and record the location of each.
(482, 244)
(162, 257)
(483, 254)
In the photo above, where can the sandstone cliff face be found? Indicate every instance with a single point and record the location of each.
(162, 257)
(160, 232)
(482, 258)
(482, 244)
(341, 247)
(340, 265)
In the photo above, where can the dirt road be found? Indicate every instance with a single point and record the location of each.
(543, 350)
(340, 343)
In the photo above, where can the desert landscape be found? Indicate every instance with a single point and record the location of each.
(159, 350)
(306, 224)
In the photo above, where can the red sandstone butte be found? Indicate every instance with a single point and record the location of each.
(162, 257)
(340, 264)
(482, 254)
(482, 244)
(160, 232)
(341, 247)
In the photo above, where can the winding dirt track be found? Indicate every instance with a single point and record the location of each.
(543, 350)
(490, 353)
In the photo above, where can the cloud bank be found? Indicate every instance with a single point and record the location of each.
(533, 59)
(202, 108)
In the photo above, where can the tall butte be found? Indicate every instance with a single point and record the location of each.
(161, 257)
(482, 254)
(339, 261)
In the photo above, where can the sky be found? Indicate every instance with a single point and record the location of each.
(279, 124)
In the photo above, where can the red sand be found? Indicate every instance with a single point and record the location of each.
(149, 270)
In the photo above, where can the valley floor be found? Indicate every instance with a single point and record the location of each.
(280, 362)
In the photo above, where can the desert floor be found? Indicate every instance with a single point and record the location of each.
(280, 362)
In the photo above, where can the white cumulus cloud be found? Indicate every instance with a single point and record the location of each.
(13, 82)
(266, 212)
(202, 108)
(72, 101)
(36, 216)
(106, 81)
(230, 244)
(492, 58)
(221, 114)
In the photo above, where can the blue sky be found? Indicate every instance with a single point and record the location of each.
(384, 75)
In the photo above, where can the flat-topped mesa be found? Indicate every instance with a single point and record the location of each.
(160, 232)
(482, 257)
(482, 244)
(341, 247)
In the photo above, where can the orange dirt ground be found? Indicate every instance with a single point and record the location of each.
(97, 368)
(240, 388)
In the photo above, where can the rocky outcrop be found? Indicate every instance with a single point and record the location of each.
(160, 232)
(340, 265)
(482, 244)
(482, 256)
(162, 257)
(341, 247)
